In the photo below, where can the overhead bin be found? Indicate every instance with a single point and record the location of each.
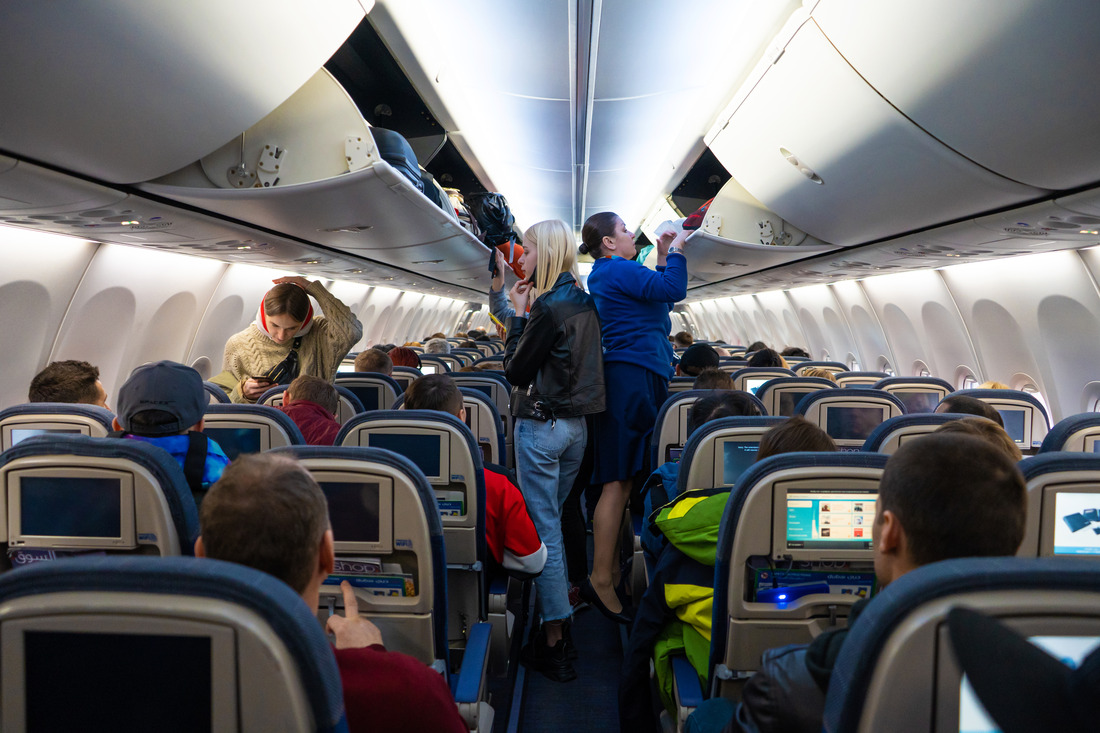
(816, 144)
(326, 182)
(125, 91)
(740, 235)
(1010, 84)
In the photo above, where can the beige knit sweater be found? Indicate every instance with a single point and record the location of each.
(250, 352)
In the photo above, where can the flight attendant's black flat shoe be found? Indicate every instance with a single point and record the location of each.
(588, 593)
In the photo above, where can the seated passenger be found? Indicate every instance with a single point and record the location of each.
(163, 403)
(467, 345)
(670, 618)
(993, 384)
(756, 346)
(437, 346)
(404, 356)
(940, 497)
(986, 429)
(683, 339)
(795, 351)
(75, 382)
(970, 406)
(796, 433)
(722, 352)
(696, 359)
(510, 534)
(767, 358)
(312, 403)
(375, 361)
(818, 372)
(713, 378)
(268, 513)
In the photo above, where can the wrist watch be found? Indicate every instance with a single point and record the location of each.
(674, 251)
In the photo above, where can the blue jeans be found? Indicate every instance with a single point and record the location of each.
(548, 456)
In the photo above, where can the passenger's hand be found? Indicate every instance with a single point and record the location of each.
(253, 388)
(502, 266)
(501, 332)
(664, 242)
(351, 630)
(296, 279)
(519, 294)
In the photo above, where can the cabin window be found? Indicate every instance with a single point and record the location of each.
(921, 369)
(884, 366)
(853, 363)
(1025, 383)
(964, 377)
(825, 355)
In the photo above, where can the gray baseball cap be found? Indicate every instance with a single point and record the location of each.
(168, 386)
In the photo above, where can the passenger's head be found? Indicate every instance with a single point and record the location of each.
(795, 351)
(548, 250)
(404, 356)
(683, 339)
(605, 235)
(819, 372)
(268, 513)
(756, 346)
(437, 346)
(969, 406)
(475, 333)
(438, 335)
(75, 382)
(720, 404)
(375, 361)
(722, 352)
(471, 368)
(435, 392)
(696, 359)
(986, 429)
(946, 496)
(713, 378)
(794, 434)
(162, 398)
(312, 389)
(286, 307)
(767, 358)
(992, 384)
(467, 345)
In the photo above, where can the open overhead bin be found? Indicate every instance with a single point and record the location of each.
(125, 91)
(1010, 84)
(312, 170)
(815, 143)
(740, 235)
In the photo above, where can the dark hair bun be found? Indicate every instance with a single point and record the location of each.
(583, 248)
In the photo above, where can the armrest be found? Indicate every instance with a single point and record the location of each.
(467, 684)
(688, 692)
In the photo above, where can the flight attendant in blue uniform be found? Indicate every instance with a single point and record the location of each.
(633, 303)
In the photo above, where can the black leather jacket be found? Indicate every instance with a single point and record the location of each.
(554, 358)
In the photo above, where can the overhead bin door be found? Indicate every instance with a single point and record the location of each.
(826, 152)
(1010, 84)
(129, 91)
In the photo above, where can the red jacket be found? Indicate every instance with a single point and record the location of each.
(510, 534)
(391, 691)
(317, 424)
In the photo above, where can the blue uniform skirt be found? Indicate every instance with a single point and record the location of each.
(621, 433)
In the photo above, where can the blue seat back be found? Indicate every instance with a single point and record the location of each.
(215, 393)
(374, 391)
(670, 432)
(849, 415)
(891, 434)
(427, 361)
(896, 670)
(242, 428)
(1077, 433)
(405, 375)
(719, 451)
(751, 379)
(1025, 418)
(782, 394)
(270, 664)
(833, 366)
(860, 379)
(918, 394)
(349, 404)
(1063, 505)
(35, 418)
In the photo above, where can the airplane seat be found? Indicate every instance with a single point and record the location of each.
(1063, 505)
(468, 356)
(62, 418)
(239, 428)
(1025, 418)
(498, 389)
(892, 433)
(835, 367)
(918, 394)
(73, 494)
(681, 384)
(750, 379)
(849, 414)
(435, 364)
(1078, 433)
(404, 376)
(860, 379)
(453, 361)
(484, 422)
(494, 361)
(216, 394)
(348, 403)
(211, 645)
(897, 669)
(444, 449)
(782, 394)
(813, 510)
(670, 430)
(374, 391)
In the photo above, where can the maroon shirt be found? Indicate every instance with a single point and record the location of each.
(317, 424)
